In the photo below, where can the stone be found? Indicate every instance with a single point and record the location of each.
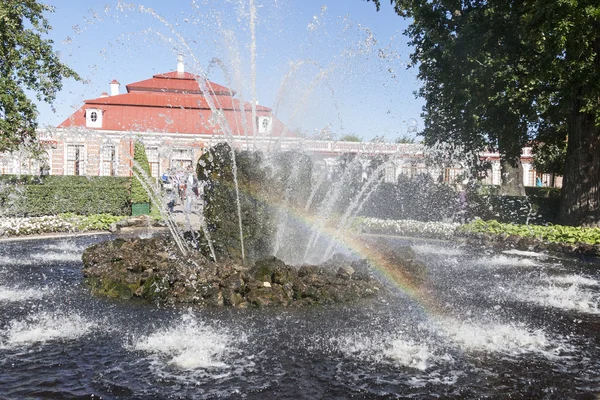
(152, 270)
(345, 272)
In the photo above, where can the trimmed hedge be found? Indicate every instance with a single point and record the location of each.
(422, 199)
(32, 196)
(141, 167)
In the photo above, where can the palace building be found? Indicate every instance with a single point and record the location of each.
(176, 115)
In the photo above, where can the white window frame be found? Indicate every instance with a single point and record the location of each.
(153, 155)
(390, 173)
(109, 167)
(89, 118)
(265, 124)
(179, 159)
(81, 161)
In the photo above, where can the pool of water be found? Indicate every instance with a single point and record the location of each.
(509, 325)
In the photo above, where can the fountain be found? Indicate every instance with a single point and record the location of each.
(474, 323)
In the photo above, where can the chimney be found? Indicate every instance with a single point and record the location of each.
(104, 94)
(180, 67)
(114, 87)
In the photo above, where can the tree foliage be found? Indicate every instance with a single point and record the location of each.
(141, 172)
(27, 63)
(350, 138)
(405, 139)
(501, 74)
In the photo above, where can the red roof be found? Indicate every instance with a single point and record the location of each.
(171, 120)
(179, 82)
(171, 102)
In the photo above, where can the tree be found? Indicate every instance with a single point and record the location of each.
(350, 138)
(549, 156)
(405, 140)
(501, 74)
(27, 63)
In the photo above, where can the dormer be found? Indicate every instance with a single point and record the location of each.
(265, 124)
(93, 118)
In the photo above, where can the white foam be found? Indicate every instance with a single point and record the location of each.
(525, 253)
(7, 260)
(511, 339)
(398, 349)
(505, 261)
(45, 326)
(572, 298)
(443, 251)
(16, 295)
(63, 246)
(189, 345)
(573, 280)
(57, 257)
(410, 353)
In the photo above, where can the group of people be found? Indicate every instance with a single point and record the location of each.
(182, 187)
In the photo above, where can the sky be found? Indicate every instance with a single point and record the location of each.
(327, 68)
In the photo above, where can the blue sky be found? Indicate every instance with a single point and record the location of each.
(334, 65)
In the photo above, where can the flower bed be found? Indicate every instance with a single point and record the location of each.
(549, 233)
(56, 223)
(430, 230)
(575, 241)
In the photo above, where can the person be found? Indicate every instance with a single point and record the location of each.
(538, 181)
(170, 189)
(462, 204)
(191, 190)
(180, 181)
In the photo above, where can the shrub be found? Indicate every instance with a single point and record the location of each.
(419, 198)
(50, 195)
(141, 167)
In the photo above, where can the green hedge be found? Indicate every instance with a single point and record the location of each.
(32, 196)
(420, 198)
(540, 206)
(141, 167)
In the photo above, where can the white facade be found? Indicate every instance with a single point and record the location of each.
(108, 153)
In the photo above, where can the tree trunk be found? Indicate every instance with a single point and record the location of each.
(512, 177)
(580, 195)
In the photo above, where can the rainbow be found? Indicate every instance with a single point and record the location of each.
(386, 269)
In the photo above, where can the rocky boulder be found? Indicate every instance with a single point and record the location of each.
(153, 270)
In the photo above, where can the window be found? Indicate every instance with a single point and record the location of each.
(75, 159)
(264, 124)
(93, 118)
(451, 175)
(390, 173)
(181, 159)
(108, 160)
(153, 160)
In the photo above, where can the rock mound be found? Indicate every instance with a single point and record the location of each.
(152, 270)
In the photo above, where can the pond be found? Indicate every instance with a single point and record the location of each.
(503, 325)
